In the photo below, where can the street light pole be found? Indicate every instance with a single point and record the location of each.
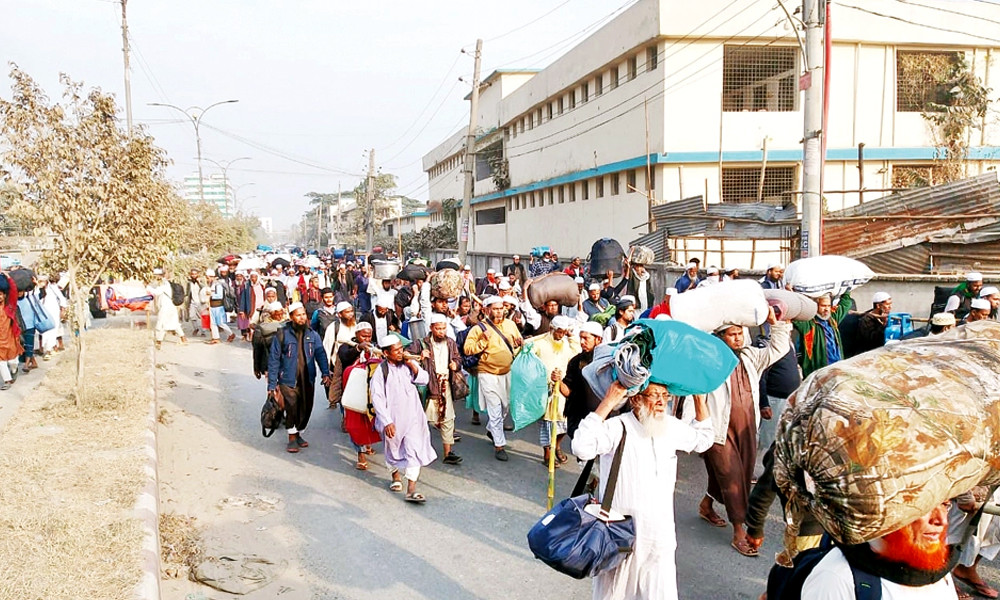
(196, 121)
(225, 177)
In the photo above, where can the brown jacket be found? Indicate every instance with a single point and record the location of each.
(427, 364)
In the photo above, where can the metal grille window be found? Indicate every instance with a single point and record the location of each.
(907, 176)
(652, 58)
(742, 184)
(759, 78)
(922, 80)
(491, 216)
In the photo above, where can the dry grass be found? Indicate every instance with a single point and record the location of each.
(69, 477)
(180, 544)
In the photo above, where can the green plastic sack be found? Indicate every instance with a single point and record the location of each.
(472, 400)
(604, 316)
(529, 388)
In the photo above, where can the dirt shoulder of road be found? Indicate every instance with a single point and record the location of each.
(70, 476)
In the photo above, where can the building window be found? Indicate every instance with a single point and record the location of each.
(549, 194)
(741, 185)
(531, 121)
(599, 187)
(651, 176)
(652, 58)
(560, 105)
(549, 110)
(390, 233)
(538, 116)
(491, 216)
(562, 195)
(922, 80)
(908, 176)
(630, 181)
(572, 99)
(585, 190)
(532, 199)
(759, 78)
(584, 92)
(571, 192)
(614, 77)
(633, 67)
(615, 184)
(599, 85)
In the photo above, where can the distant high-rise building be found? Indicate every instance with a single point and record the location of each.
(267, 224)
(216, 190)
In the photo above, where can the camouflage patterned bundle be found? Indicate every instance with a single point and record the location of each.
(874, 442)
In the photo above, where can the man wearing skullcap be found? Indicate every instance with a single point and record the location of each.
(979, 310)
(384, 319)
(359, 426)
(166, 313)
(774, 278)
(217, 290)
(399, 415)
(689, 280)
(819, 338)
(495, 341)
(296, 352)
(594, 303)
(439, 357)
(992, 294)
(871, 325)
(516, 268)
(555, 349)
(960, 301)
(580, 398)
(942, 322)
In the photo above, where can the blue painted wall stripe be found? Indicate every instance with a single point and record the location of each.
(925, 153)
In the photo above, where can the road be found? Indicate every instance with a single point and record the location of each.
(341, 532)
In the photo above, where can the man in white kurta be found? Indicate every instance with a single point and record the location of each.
(167, 318)
(53, 302)
(645, 488)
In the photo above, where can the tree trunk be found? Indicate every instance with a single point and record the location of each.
(79, 321)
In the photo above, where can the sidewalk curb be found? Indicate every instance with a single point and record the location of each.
(148, 503)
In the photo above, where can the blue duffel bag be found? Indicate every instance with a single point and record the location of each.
(572, 539)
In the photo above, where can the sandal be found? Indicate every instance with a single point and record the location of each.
(6, 385)
(415, 497)
(712, 519)
(545, 461)
(980, 588)
(561, 457)
(370, 451)
(396, 486)
(361, 466)
(744, 548)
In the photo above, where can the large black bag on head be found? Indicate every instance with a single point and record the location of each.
(412, 273)
(573, 541)
(606, 255)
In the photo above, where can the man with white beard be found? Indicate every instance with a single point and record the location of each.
(646, 479)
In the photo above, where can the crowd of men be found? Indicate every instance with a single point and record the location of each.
(31, 322)
(420, 355)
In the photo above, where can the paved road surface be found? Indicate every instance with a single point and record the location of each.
(345, 536)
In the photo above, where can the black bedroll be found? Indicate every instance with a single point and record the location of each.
(606, 255)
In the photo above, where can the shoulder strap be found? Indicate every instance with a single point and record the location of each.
(385, 371)
(502, 336)
(866, 585)
(609, 489)
(581, 483)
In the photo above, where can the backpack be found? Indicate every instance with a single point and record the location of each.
(605, 316)
(786, 584)
(228, 298)
(177, 293)
(469, 361)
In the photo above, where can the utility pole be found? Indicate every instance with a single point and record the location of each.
(128, 78)
(470, 162)
(337, 230)
(319, 225)
(370, 199)
(812, 128)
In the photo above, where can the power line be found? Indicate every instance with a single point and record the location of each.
(449, 152)
(949, 11)
(426, 106)
(529, 23)
(426, 124)
(282, 154)
(147, 70)
(902, 20)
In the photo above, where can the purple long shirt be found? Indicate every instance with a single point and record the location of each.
(396, 401)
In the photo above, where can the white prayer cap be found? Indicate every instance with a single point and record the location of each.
(595, 286)
(390, 339)
(384, 302)
(989, 291)
(156, 271)
(342, 306)
(973, 276)
(561, 322)
(671, 292)
(516, 256)
(627, 298)
(274, 306)
(491, 300)
(509, 300)
(593, 328)
(209, 273)
(981, 304)
(713, 270)
(294, 306)
(943, 319)
(881, 297)
(467, 268)
(774, 265)
(224, 267)
(362, 326)
(491, 271)
(578, 279)
(504, 284)
(438, 318)
(691, 265)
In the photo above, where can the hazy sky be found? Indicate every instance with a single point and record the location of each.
(318, 82)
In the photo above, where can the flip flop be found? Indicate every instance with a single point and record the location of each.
(712, 519)
(415, 497)
(370, 451)
(561, 457)
(745, 549)
(980, 588)
(396, 486)
(361, 466)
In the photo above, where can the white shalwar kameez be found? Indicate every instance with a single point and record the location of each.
(166, 313)
(53, 303)
(645, 490)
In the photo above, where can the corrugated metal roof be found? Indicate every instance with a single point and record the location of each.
(966, 199)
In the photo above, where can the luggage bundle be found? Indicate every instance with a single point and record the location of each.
(413, 272)
(606, 255)
(874, 442)
(446, 283)
(820, 275)
(641, 255)
(385, 269)
(736, 302)
(553, 286)
(796, 307)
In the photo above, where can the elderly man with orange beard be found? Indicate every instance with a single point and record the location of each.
(912, 562)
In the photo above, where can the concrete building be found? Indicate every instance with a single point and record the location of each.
(415, 221)
(671, 100)
(267, 225)
(217, 190)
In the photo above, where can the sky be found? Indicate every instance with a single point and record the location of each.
(319, 82)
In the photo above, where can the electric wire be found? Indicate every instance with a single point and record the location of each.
(909, 22)
(281, 154)
(426, 106)
(529, 23)
(949, 11)
(426, 124)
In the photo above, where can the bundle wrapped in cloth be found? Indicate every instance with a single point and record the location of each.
(446, 283)
(556, 286)
(830, 274)
(737, 302)
(874, 442)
